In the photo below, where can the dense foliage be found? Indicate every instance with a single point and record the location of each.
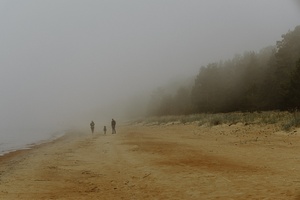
(267, 80)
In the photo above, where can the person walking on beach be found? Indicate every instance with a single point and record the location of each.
(92, 124)
(104, 129)
(113, 126)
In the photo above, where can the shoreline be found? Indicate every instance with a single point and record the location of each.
(31, 145)
(11, 158)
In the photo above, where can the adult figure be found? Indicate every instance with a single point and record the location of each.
(113, 126)
(92, 124)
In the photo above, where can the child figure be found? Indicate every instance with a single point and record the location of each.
(104, 129)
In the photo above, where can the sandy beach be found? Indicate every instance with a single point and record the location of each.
(158, 162)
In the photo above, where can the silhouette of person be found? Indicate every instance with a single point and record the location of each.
(113, 126)
(104, 129)
(92, 124)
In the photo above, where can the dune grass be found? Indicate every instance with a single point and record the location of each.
(285, 120)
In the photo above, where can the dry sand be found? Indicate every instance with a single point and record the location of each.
(159, 162)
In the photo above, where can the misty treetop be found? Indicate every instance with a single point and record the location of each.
(267, 80)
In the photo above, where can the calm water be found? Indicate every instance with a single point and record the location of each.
(11, 141)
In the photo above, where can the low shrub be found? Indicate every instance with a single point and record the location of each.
(286, 120)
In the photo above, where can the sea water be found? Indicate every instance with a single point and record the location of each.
(12, 141)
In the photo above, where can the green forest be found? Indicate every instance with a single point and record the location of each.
(255, 81)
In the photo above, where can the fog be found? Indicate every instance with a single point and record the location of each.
(65, 63)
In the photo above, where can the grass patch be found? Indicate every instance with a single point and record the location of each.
(286, 120)
(291, 122)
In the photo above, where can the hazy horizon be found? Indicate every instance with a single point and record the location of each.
(64, 63)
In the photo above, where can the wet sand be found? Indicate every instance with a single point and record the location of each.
(158, 162)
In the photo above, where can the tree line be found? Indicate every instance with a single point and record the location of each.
(267, 80)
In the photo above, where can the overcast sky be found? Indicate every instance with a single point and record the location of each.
(64, 59)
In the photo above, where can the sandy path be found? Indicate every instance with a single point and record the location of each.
(166, 162)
